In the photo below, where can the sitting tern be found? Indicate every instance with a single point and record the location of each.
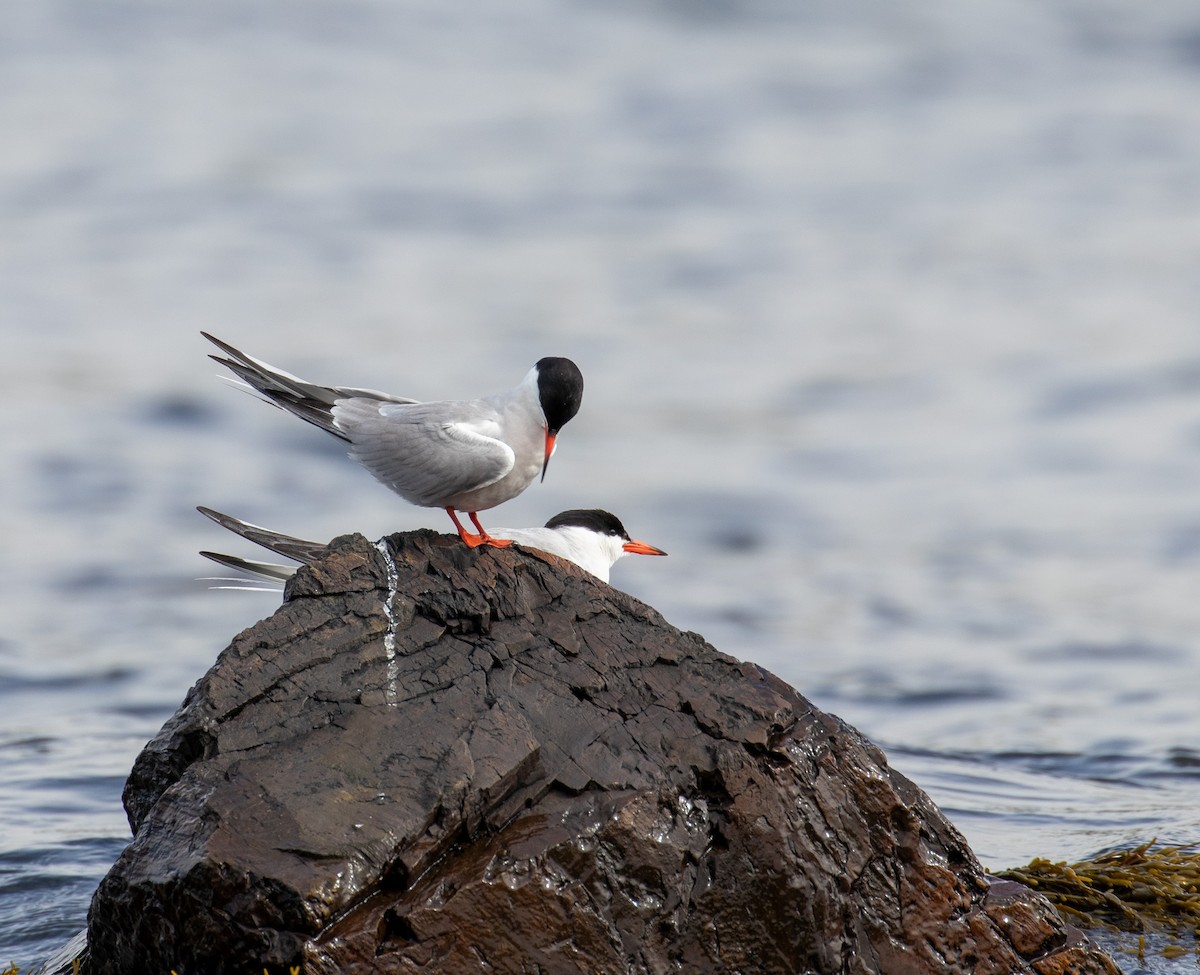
(591, 538)
(460, 455)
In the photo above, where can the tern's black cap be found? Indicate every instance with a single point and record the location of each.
(560, 389)
(594, 519)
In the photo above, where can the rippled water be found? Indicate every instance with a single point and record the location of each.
(888, 317)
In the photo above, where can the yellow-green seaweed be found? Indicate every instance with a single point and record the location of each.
(1139, 889)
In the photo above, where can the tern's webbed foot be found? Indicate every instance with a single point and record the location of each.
(475, 541)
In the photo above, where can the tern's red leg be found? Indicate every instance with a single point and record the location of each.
(486, 538)
(473, 541)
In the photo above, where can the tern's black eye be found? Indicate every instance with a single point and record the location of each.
(560, 389)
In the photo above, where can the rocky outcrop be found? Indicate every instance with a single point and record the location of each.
(442, 760)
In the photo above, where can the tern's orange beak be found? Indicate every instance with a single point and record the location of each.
(549, 451)
(634, 547)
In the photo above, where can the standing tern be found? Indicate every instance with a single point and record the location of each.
(591, 538)
(460, 455)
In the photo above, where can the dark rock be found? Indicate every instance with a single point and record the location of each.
(501, 764)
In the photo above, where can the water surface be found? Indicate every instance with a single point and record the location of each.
(888, 318)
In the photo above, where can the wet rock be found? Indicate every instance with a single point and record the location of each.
(441, 760)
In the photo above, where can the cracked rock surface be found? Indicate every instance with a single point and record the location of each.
(489, 761)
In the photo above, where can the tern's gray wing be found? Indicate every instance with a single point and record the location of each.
(306, 400)
(427, 453)
(264, 570)
(285, 545)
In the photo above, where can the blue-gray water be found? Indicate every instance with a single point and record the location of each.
(888, 314)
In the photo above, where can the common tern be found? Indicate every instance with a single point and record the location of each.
(460, 455)
(591, 538)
